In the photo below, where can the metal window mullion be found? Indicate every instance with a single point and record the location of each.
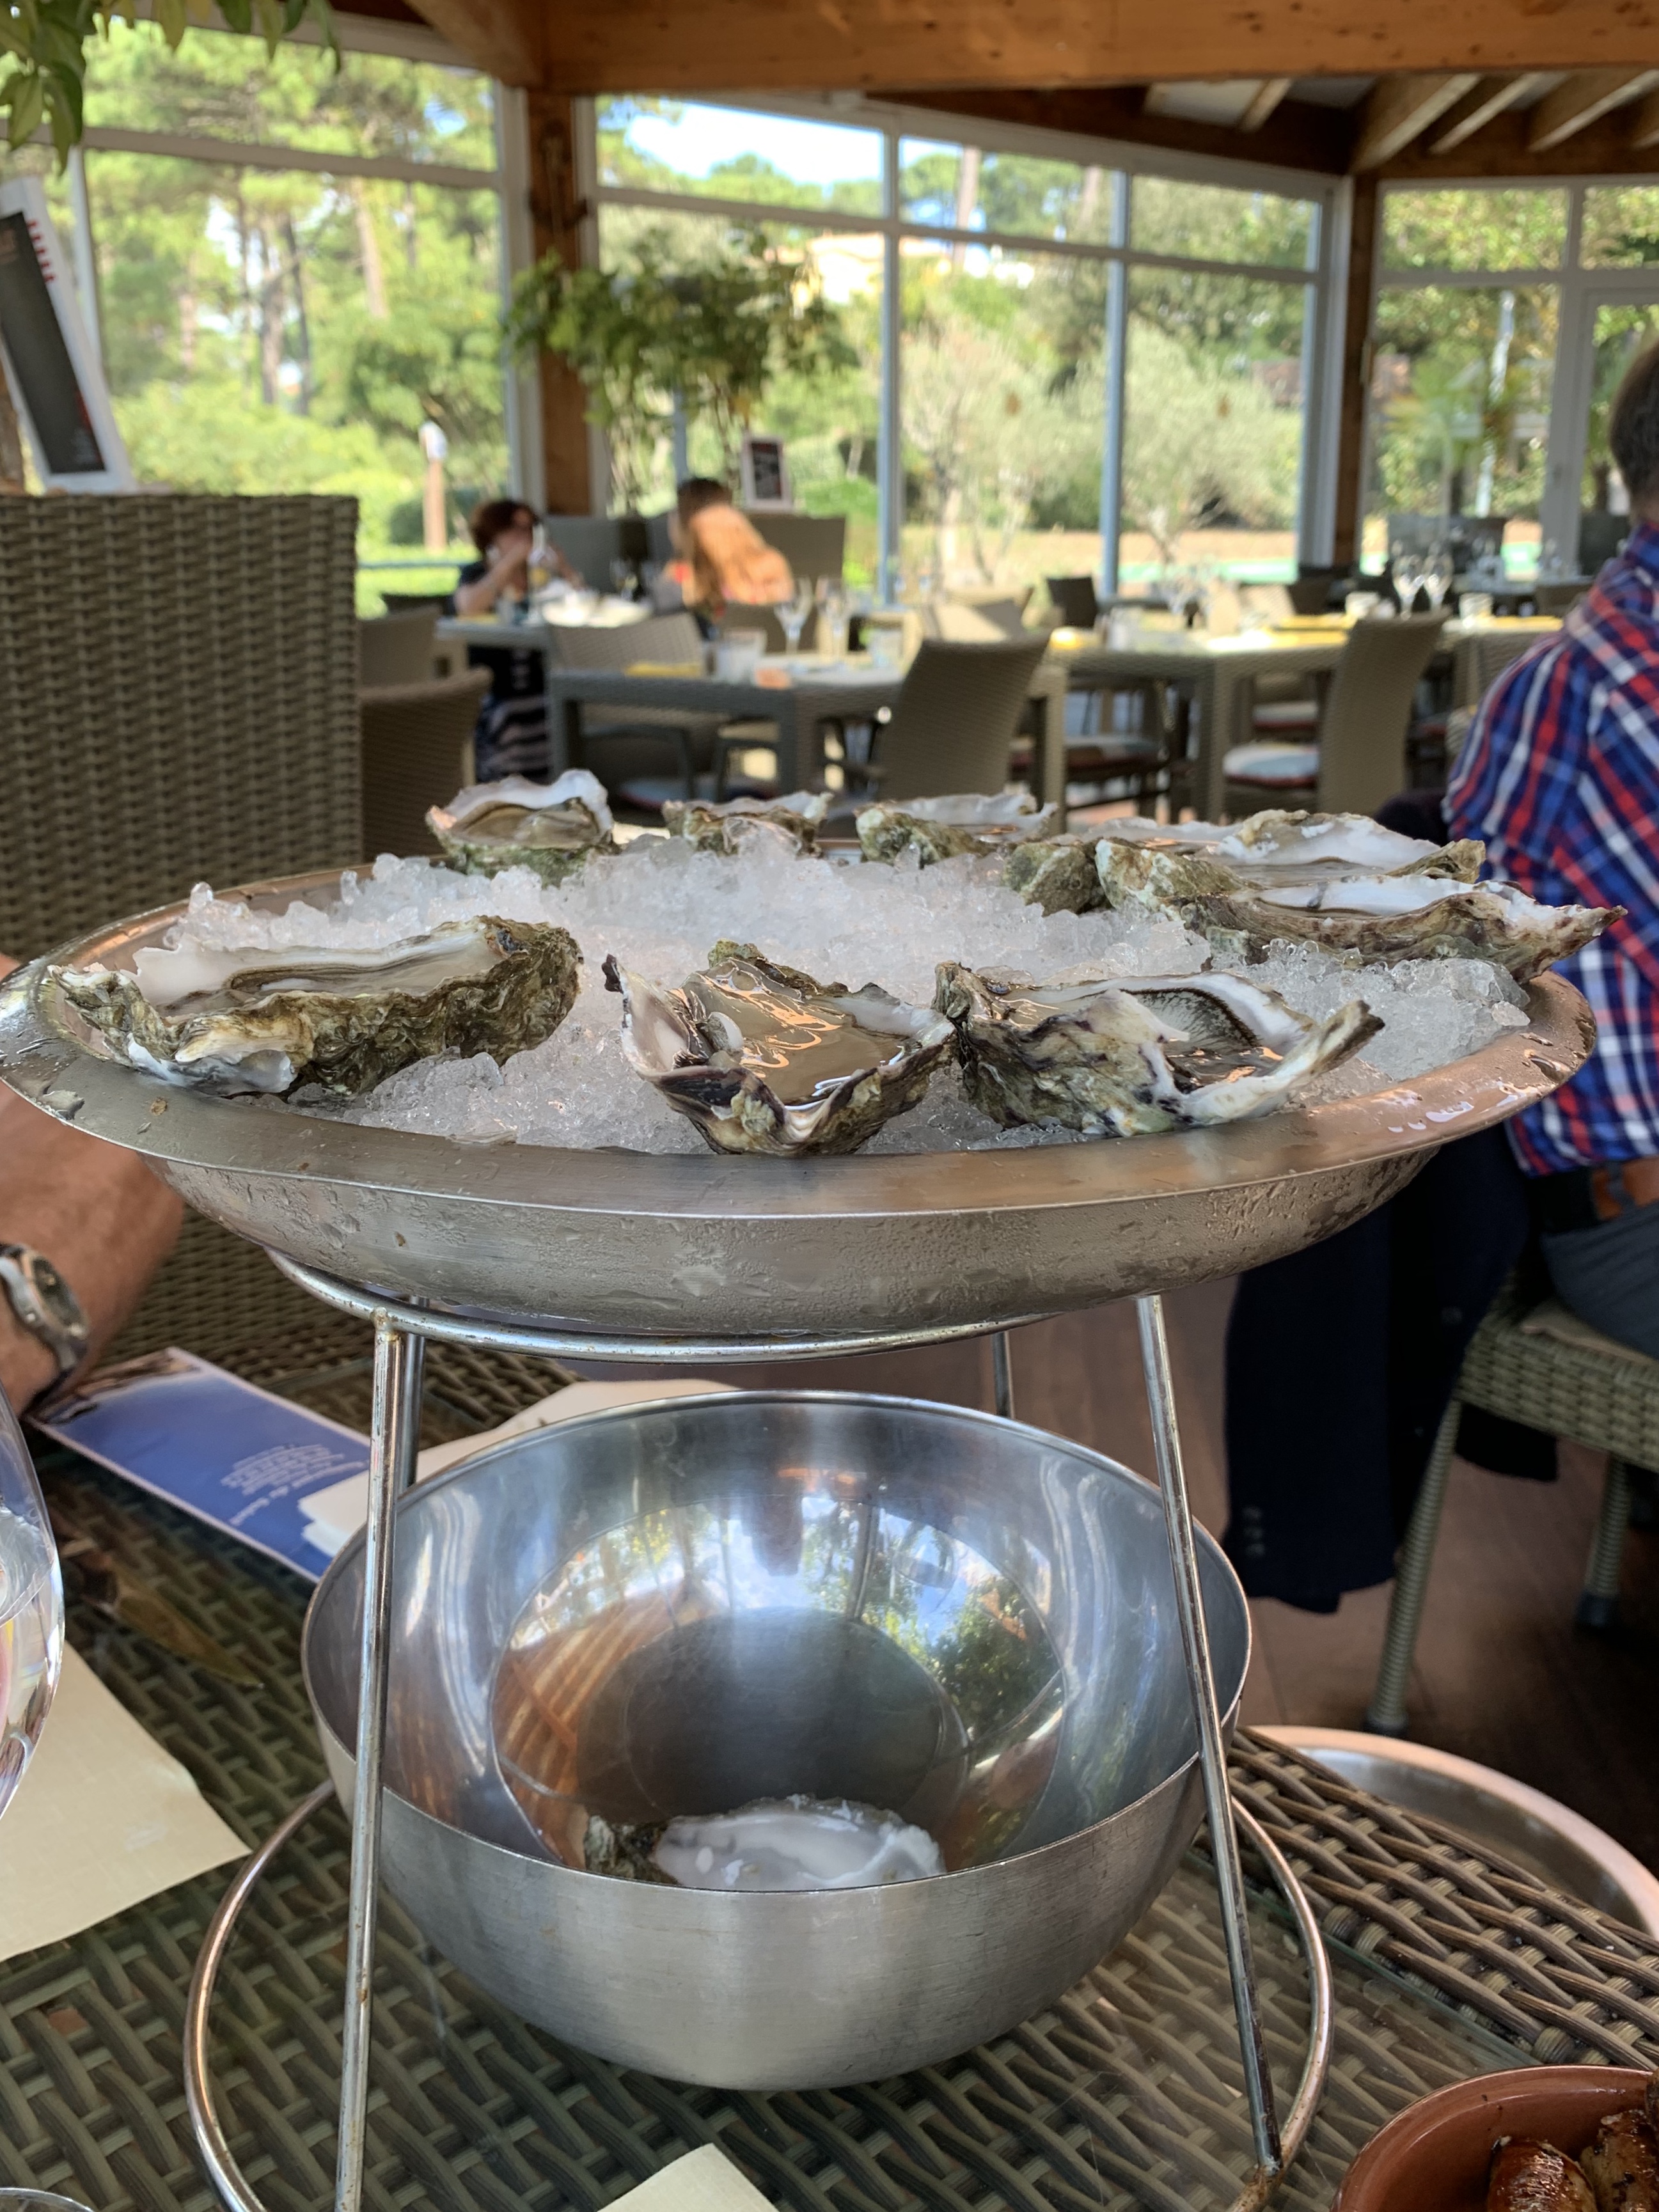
(1116, 364)
(520, 386)
(889, 439)
(239, 153)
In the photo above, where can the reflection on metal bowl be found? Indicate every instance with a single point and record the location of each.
(676, 1607)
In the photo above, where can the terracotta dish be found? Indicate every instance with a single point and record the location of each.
(1433, 2157)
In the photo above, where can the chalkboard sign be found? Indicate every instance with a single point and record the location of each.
(764, 472)
(56, 379)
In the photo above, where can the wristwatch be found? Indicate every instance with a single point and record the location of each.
(45, 1304)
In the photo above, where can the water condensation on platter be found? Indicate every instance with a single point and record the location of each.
(660, 905)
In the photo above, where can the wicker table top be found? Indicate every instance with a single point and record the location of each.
(1126, 2092)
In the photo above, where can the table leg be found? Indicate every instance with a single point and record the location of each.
(397, 1365)
(787, 712)
(1212, 1753)
(1213, 698)
(1048, 748)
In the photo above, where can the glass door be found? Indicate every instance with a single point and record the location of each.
(1586, 512)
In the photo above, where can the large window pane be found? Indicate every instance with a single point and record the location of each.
(1518, 229)
(1621, 226)
(829, 423)
(1001, 391)
(1212, 429)
(965, 188)
(1211, 222)
(1459, 408)
(729, 153)
(220, 86)
(272, 331)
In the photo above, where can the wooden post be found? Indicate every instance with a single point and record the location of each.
(555, 215)
(1356, 374)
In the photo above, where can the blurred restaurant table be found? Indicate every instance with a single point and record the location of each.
(800, 694)
(1218, 675)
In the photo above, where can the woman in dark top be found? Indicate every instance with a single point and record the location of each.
(511, 735)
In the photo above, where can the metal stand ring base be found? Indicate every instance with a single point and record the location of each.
(238, 2193)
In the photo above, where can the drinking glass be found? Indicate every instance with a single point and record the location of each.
(793, 612)
(1549, 560)
(31, 1608)
(1408, 573)
(833, 617)
(1437, 573)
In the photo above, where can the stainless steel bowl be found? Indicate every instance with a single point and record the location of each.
(644, 1244)
(675, 1607)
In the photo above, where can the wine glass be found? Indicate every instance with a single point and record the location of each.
(1406, 566)
(31, 1608)
(794, 611)
(833, 616)
(1438, 572)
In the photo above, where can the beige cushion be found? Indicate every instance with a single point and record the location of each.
(1560, 1323)
(1271, 764)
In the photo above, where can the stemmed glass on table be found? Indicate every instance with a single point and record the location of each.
(793, 612)
(1406, 566)
(1437, 574)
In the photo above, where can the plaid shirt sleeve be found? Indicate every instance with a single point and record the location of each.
(1560, 776)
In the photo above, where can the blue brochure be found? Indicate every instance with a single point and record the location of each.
(233, 1454)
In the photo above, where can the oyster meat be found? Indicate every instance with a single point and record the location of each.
(1412, 914)
(270, 1020)
(551, 829)
(763, 1058)
(791, 822)
(942, 829)
(1289, 845)
(1128, 1057)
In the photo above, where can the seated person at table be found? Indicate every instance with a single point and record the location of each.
(1560, 775)
(723, 560)
(511, 735)
(94, 1213)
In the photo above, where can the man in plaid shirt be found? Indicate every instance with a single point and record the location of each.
(1560, 776)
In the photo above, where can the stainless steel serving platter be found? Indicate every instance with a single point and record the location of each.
(632, 1244)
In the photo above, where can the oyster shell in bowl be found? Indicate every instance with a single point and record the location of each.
(551, 829)
(726, 827)
(1299, 846)
(1129, 1058)
(271, 1020)
(1412, 914)
(763, 1058)
(943, 829)
(1058, 874)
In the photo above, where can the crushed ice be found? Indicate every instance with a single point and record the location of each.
(660, 905)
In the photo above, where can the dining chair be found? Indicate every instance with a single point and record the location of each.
(1358, 757)
(200, 723)
(417, 752)
(1311, 594)
(397, 648)
(953, 723)
(814, 545)
(1074, 601)
(1539, 1365)
(1557, 599)
(633, 738)
(975, 621)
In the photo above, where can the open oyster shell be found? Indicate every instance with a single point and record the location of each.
(763, 1058)
(549, 827)
(792, 822)
(1292, 845)
(963, 822)
(1413, 915)
(269, 1020)
(1129, 1058)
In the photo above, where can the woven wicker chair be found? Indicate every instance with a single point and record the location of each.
(397, 648)
(954, 720)
(625, 735)
(418, 751)
(1479, 660)
(196, 717)
(1590, 1390)
(1361, 758)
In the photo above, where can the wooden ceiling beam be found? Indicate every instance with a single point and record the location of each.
(1500, 151)
(1644, 126)
(1584, 99)
(1489, 99)
(1399, 109)
(671, 46)
(501, 36)
(1298, 134)
(1262, 101)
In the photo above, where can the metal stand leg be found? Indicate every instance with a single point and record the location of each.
(1598, 1604)
(1212, 1753)
(1002, 1374)
(1386, 1713)
(397, 1365)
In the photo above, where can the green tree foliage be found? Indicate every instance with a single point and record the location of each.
(710, 333)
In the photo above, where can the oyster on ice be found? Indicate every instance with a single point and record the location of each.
(272, 1019)
(549, 827)
(1298, 846)
(763, 1058)
(791, 822)
(1058, 874)
(1129, 1057)
(961, 822)
(1412, 914)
